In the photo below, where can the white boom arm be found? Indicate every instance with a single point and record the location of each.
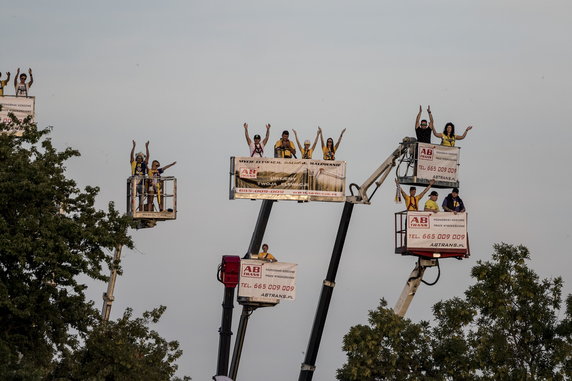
(381, 173)
(411, 286)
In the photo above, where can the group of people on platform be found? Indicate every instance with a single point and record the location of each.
(424, 130)
(285, 148)
(149, 181)
(21, 87)
(452, 203)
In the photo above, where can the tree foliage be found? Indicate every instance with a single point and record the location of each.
(506, 327)
(51, 235)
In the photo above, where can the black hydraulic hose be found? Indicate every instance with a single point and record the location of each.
(438, 276)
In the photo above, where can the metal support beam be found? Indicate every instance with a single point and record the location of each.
(225, 332)
(108, 297)
(253, 248)
(239, 342)
(309, 365)
(412, 285)
(260, 228)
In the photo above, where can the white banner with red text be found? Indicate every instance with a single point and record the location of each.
(260, 279)
(435, 162)
(437, 231)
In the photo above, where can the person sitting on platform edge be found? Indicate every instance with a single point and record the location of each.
(306, 150)
(448, 136)
(22, 87)
(423, 131)
(431, 204)
(265, 255)
(453, 203)
(329, 149)
(4, 82)
(284, 147)
(256, 147)
(411, 200)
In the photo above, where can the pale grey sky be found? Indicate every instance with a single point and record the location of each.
(186, 74)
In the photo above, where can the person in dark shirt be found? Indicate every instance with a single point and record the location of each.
(453, 203)
(422, 129)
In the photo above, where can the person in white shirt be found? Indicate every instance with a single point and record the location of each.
(256, 147)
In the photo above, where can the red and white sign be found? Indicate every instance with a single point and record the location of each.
(260, 279)
(435, 162)
(247, 173)
(437, 231)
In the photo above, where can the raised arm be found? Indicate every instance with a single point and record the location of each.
(31, 78)
(16, 78)
(437, 134)
(248, 141)
(8, 76)
(426, 189)
(400, 189)
(147, 152)
(418, 117)
(464, 134)
(321, 136)
(132, 157)
(315, 140)
(169, 166)
(297, 141)
(267, 134)
(339, 140)
(430, 117)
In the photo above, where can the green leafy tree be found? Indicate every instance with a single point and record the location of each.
(51, 235)
(125, 349)
(389, 348)
(506, 327)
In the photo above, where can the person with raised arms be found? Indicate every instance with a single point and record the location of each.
(422, 130)
(22, 87)
(329, 149)
(448, 136)
(256, 147)
(306, 150)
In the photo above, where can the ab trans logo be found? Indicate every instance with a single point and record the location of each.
(418, 222)
(251, 271)
(426, 153)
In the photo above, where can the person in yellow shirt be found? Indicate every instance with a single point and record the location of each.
(431, 204)
(4, 82)
(448, 136)
(411, 200)
(265, 255)
(284, 147)
(329, 149)
(306, 150)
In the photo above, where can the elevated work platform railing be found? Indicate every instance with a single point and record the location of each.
(152, 198)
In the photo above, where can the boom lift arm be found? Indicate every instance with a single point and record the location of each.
(378, 177)
(380, 174)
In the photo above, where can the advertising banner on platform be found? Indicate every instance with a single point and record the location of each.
(437, 231)
(288, 179)
(21, 107)
(435, 162)
(260, 279)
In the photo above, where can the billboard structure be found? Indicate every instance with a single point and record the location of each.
(287, 179)
(21, 107)
(439, 163)
(267, 280)
(432, 235)
(425, 162)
